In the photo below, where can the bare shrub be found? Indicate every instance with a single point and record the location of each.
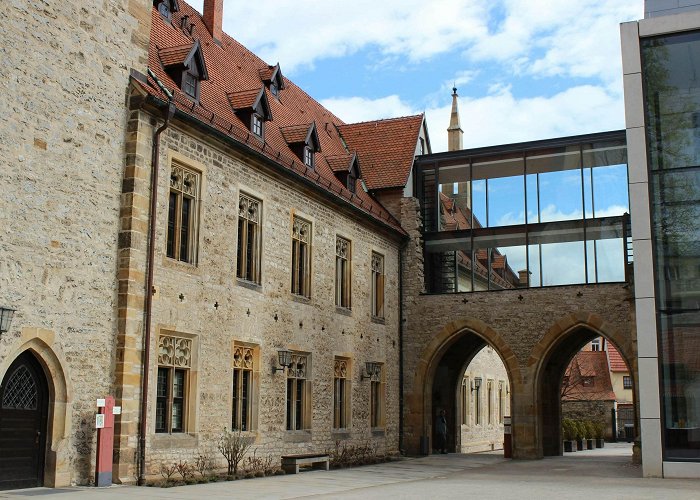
(204, 464)
(233, 446)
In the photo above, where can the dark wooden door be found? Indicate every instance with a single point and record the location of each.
(23, 416)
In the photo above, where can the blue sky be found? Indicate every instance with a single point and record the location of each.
(525, 69)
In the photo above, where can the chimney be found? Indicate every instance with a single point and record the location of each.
(524, 278)
(213, 17)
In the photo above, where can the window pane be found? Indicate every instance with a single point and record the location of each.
(245, 395)
(290, 404)
(236, 399)
(172, 218)
(299, 408)
(240, 255)
(185, 229)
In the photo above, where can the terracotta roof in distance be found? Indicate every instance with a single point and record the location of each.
(617, 364)
(171, 56)
(386, 149)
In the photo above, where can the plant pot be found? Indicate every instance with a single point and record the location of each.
(569, 446)
(599, 442)
(580, 445)
(589, 444)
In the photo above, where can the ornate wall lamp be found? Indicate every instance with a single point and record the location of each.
(477, 384)
(6, 314)
(373, 369)
(284, 357)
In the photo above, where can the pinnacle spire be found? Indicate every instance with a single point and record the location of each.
(454, 131)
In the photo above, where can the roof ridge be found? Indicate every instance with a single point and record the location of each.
(395, 118)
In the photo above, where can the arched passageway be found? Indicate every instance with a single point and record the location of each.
(564, 344)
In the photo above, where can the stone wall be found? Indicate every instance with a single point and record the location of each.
(532, 330)
(267, 317)
(65, 74)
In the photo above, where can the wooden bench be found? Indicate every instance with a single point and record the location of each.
(291, 463)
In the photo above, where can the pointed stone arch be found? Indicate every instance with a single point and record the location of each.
(552, 354)
(419, 400)
(41, 343)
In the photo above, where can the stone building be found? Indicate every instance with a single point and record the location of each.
(62, 139)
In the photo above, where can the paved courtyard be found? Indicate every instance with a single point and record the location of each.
(595, 474)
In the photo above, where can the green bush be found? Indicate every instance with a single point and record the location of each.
(580, 429)
(568, 429)
(590, 429)
(599, 429)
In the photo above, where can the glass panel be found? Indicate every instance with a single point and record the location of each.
(172, 215)
(236, 399)
(563, 263)
(185, 229)
(673, 138)
(290, 403)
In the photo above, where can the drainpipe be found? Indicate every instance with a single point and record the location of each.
(401, 381)
(146, 357)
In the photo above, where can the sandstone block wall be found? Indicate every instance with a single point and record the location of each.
(267, 317)
(64, 77)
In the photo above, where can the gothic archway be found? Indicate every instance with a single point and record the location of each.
(24, 404)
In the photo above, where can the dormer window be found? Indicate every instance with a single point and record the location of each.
(166, 8)
(272, 78)
(303, 141)
(308, 157)
(256, 125)
(189, 85)
(252, 107)
(185, 65)
(346, 169)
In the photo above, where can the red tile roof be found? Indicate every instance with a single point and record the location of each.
(386, 149)
(294, 134)
(586, 364)
(233, 69)
(175, 54)
(617, 364)
(339, 163)
(243, 99)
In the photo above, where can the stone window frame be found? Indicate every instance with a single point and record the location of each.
(185, 183)
(343, 273)
(298, 398)
(342, 393)
(245, 358)
(489, 399)
(250, 217)
(183, 356)
(465, 400)
(377, 285)
(501, 400)
(302, 237)
(377, 399)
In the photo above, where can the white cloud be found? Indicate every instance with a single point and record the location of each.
(360, 109)
(501, 118)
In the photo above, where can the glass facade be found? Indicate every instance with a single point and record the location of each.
(539, 214)
(672, 102)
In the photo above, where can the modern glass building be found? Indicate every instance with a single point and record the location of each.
(661, 62)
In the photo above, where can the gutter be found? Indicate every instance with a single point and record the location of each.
(148, 313)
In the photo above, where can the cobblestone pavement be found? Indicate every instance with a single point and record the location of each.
(594, 474)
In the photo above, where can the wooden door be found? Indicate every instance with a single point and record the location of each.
(23, 418)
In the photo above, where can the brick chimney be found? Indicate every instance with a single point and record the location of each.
(213, 17)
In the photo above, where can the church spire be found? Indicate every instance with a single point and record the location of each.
(454, 131)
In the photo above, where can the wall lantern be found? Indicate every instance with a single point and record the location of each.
(477, 384)
(284, 357)
(6, 314)
(373, 369)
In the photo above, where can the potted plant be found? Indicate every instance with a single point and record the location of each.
(580, 434)
(599, 434)
(567, 427)
(590, 433)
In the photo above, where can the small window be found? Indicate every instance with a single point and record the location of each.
(377, 285)
(274, 88)
(595, 345)
(181, 240)
(189, 84)
(341, 394)
(501, 402)
(249, 238)
(342, 272)
(256, 125)
(465, 401)
(477, 403)
(301, 257)
(627, 382)
(308, 157)
(243, 388)
(422, 146)
(377, 399)
(297, 398)
(489, 395)
(587, 382)
(174, 361)
(352, 183)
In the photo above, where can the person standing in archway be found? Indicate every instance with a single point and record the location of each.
(441, 429)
